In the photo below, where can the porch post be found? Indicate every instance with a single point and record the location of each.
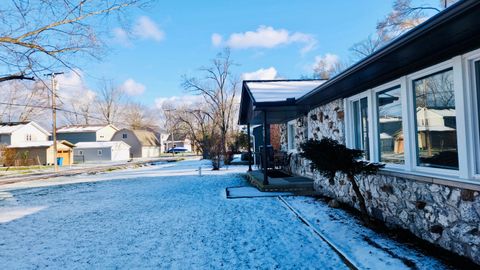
(265, 160)
(249, 148)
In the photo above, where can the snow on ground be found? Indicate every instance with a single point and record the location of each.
(365, 248)
(153, 217)
(250, 192)
(167, 216)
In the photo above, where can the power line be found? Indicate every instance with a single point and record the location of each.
(48, 108)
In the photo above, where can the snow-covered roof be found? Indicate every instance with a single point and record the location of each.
(99, 144)
(268, 91)
(10, 127)
(441, 112)
(82, 128)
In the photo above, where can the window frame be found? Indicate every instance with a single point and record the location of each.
(398, 83)
(467, 119)
(472, 105)
(350, 122)
(291, 147)
(412, 124)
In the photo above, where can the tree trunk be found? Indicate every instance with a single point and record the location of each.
(361, 199)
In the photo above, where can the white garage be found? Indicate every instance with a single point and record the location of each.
(101, 151)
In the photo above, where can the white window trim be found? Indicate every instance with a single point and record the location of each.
(411, 117)
(472, 119)
(293, 148)
(376, 153)
(349, 140)
(467, 120)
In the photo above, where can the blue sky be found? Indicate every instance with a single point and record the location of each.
(173, 38)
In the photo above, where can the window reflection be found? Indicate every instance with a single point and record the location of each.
(360, 118)
(390, 130)
(436, 121)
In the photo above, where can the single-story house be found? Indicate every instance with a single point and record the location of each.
(143, 143)
(101, 151)
(415, 106)
(177, 140)
(42, 153)
(86, 133)
(18, 132)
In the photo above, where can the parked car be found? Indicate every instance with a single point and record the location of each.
(177, 150)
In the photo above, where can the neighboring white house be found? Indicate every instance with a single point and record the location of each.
(17, 132)
(101, 151)
(86, 133)
(177, 140)
(144, 143)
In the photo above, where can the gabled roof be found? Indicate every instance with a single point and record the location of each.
(99, 144)
(82, 128)
(146, 138)
(10, 127)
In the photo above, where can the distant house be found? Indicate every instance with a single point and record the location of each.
(18, 132)
(177, 140)
(86, 133)
(41, 153)
(143, 143)
(101, 151)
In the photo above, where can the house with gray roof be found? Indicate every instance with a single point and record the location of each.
(86, 133)
(143, 143)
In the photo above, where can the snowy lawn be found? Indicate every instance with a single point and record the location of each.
(153, 217)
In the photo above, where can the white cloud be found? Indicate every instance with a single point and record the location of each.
(144, 28)
(177, 101)
(121, 36)
(266, 37)
(261, 74)
(147, 29)
(71, 86)
(328, 61)
(132, 88)
(216, 39)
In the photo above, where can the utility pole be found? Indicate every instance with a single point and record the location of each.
(54, 117)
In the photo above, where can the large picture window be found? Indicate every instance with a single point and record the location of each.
(435, 119)
(360, 125)
(390, 129)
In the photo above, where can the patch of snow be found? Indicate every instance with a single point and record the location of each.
(368, 249)
(8, 214)
(242, 192)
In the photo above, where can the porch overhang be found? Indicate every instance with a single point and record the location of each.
(276, 98)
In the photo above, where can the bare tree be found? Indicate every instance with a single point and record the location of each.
(109, 102)
(404, 16)
(21, 101)
(37, 36)
(138, 116)
(218, 87)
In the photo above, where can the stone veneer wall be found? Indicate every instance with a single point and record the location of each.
(443, 215)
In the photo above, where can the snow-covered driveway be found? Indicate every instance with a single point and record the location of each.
(157, 217)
